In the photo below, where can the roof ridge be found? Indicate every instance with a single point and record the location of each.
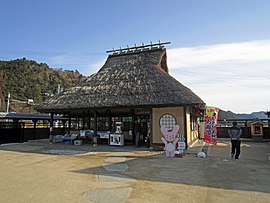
(136, 51)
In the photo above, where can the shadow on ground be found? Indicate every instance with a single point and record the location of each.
(216, 170)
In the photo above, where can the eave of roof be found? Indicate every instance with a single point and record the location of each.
(22, 116)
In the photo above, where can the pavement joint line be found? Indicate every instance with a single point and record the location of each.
(193, 143)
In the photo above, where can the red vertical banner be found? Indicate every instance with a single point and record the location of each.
(210, 129)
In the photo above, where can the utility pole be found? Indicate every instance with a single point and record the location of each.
(8, 101)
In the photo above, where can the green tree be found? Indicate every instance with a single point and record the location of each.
(27, 79)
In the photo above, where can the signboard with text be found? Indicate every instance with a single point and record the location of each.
(210, 129)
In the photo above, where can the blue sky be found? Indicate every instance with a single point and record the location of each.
(219, 48)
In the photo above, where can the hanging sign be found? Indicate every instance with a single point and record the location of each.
(210, 129)
(141, 111)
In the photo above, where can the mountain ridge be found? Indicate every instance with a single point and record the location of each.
(230, 115)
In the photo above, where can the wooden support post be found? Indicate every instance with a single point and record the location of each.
(185, 126)
(95, 129)
(110, 120)
(51, 128)
(35, 123)
(88, 120)
(64, 125)
(83, 121)
(69, 123)
(151, 127)
(133, 125)
(246, 129)
(110, 123)
(268, 115)
(269, 128)
(35, 127)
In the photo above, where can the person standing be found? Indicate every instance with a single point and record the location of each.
(235, 133)
(137, 132)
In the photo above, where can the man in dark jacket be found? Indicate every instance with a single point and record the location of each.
(137, 132)
(235, 133)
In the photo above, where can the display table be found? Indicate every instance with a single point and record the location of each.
(61, 138)
(116, 140)
(104, 134)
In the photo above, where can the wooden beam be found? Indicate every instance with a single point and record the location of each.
(137, 47)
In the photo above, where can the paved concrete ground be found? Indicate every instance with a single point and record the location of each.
(40, 172)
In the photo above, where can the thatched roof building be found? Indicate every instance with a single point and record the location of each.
(132, 84)
(126, 80)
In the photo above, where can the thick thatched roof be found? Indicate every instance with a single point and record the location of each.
(137, 79)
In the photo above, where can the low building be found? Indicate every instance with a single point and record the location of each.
(21, 127)
(132, 84)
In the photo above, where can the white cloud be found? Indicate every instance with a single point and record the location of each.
(205, 55)
(93, 68)
(233, 76)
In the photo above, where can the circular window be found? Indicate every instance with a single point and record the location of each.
(168, 121)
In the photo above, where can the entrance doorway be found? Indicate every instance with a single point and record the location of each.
(144, 128)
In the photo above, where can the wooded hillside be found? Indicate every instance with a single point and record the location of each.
(27, 79)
